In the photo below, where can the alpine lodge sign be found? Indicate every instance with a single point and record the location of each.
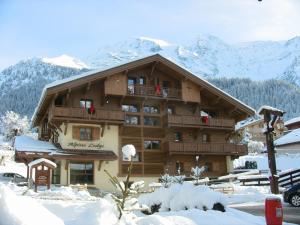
(85, 145)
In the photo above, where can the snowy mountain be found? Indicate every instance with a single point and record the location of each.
(66, 61)
(206, 56)
(209, 57)
(22, 83)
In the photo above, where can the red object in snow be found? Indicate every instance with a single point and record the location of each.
(157, 89)
(205, 119)
(273, 211)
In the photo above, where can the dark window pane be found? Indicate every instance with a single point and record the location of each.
(81, 173)
(152, 144)
(151, 121)
(85, 133)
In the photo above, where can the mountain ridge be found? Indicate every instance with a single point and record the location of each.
(207, 56)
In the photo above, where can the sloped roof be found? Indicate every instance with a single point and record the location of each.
(98, 74)
(291, 121)
(290, 138)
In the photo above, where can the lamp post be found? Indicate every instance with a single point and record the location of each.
(271, 115)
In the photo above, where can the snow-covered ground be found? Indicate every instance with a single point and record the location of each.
(185, 204)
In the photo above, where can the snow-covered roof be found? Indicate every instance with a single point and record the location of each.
(244, 123)
(25, 143)
(289, 138)
(291, 121)
(93, 72)
(38, 161)
(269, 108)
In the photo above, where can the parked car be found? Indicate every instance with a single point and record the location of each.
(13, 177)
(292, 195)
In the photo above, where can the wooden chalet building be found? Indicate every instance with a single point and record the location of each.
(166, 112)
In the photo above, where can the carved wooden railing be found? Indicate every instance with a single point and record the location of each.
(194, 121)
(152, 91)
(81, 113)
(205, 148)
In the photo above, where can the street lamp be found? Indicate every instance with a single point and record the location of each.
(271, 115)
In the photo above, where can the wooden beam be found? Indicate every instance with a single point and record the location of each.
(153, 67)
(67, 165)
(99, 165)
(102, 130)
(66, 128)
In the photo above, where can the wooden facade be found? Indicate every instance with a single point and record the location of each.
(167, 113)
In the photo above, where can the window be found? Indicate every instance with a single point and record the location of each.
(151, 144)
(85, 133)
(177, 136)
(151, 121)
(205, 138)
(133, 120)
(56, 174)
(179, 167)
(130, 108)
(59, 101)
(208, 167)
(135, 158)
(171, 110)
(81, 172)
(142, 81)
(151, 109)
(131, 83)
(86, 104)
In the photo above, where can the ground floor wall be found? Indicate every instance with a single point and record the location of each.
(217, 166)
(100, 178)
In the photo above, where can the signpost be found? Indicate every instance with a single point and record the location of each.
(43, 172)
(271, 115)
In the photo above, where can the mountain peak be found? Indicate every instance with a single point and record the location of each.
(159, 42)
(65, 61)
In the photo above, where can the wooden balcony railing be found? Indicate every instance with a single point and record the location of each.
(143, 90)
(80, 113)
(196, 121)
(205, 148)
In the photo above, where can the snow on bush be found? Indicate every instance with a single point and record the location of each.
(12, 124)
(17, 210)
(128, 151)
(181, 197)
(255, 146)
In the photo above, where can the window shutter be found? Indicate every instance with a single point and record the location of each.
(76, 132)
(96, 133)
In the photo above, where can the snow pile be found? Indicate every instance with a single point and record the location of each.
(199, 217)
(66, 61)
(16, 210)
(62, 193)
(181, 197)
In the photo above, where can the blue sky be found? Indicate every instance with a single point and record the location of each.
(40, 28)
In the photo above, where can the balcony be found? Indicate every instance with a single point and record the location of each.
(197, 121)
(142, 90)
(205, 148)
(83, 114)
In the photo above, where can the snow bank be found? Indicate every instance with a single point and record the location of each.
(181, 197)
(17, 210)
(199, 217)
(62, 193)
